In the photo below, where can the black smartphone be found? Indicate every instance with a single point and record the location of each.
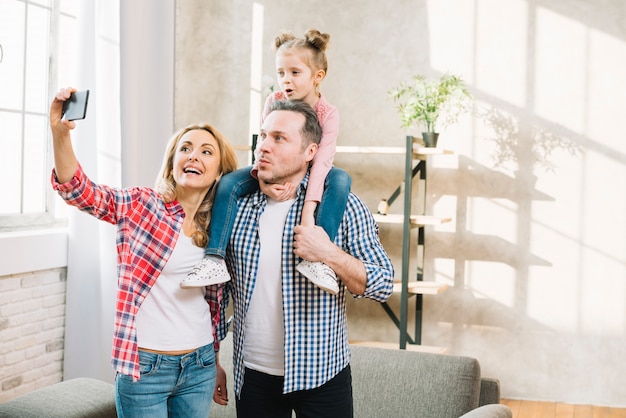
(75, 107)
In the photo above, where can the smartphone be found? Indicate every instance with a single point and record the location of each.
(75, 107)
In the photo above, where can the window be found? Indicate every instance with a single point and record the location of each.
(36, 45)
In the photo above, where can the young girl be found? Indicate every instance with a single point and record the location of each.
(163, 346)
(301, 65)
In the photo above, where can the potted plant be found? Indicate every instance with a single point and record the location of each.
(430, 103)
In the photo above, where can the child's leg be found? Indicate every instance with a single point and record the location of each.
(229, 189)
(334, 200)
(329, 216)
(212, 269)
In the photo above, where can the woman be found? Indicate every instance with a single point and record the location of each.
(163, 346)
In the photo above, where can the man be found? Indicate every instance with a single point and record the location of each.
(289, 337)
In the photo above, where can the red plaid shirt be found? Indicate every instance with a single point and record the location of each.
(147, 230)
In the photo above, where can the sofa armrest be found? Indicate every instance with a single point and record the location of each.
(74, 398)
(490, 411)
(489, 391)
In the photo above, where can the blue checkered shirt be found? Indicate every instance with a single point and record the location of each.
(316, 335)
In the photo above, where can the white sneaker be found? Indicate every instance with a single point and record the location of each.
(320, 275)
(211, 270)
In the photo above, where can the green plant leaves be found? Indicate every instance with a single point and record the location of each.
(427, 102)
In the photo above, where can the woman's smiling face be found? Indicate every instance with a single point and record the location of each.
(197, 160)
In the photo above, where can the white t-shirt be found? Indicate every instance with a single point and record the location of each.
(264, 332)
(172, 318)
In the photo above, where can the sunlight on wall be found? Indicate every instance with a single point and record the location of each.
(556, 258)
(602, 225)
(603, 256)
(553, 290)
(605, 110)
(573, 295)
(601, 306)
(447, 54)
(501, 60)
(502, 223)
(582, 290)
(494, 281)
(256, 64)
(584, 287)
(561, 77)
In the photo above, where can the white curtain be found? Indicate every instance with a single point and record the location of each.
(125, 52)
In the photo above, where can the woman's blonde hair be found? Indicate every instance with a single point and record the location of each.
(166, 185)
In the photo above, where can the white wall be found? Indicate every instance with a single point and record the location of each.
(146, 87)
(535, 255)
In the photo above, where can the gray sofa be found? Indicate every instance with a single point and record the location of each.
(386, 383)
(74, 398)
(403, 383)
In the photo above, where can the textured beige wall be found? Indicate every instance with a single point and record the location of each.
(535, 255)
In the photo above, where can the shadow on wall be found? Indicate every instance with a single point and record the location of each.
(529, 151)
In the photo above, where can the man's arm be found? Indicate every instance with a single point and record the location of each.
(312, 243)
(360, 261)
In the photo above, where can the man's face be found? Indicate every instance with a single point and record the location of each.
(283, 157)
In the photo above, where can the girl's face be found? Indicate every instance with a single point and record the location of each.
(196, 161)
(295, 78)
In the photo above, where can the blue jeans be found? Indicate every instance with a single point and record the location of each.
(170, 386)
(232, 186)
(229, 189)
(329, 213)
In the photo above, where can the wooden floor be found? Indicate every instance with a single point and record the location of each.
(539, 409)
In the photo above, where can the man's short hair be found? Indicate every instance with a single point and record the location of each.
(311, 130)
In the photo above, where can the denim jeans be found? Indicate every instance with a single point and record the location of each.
(232, 186)
(329, 213)
(229, 189)
(170, 386)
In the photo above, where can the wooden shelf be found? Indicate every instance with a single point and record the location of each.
(416, 220)
(370, 150)
(417, 150)
(242, 147)
(394, 346)
(421, 287)
(415, 166)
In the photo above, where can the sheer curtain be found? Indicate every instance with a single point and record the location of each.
(125, 52)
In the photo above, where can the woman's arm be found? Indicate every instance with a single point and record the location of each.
(65, 162)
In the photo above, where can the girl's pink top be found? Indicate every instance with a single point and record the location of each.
(328, 117)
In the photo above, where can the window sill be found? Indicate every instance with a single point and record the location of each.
(26, 251)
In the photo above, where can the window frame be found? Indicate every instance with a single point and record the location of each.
(51, 214)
